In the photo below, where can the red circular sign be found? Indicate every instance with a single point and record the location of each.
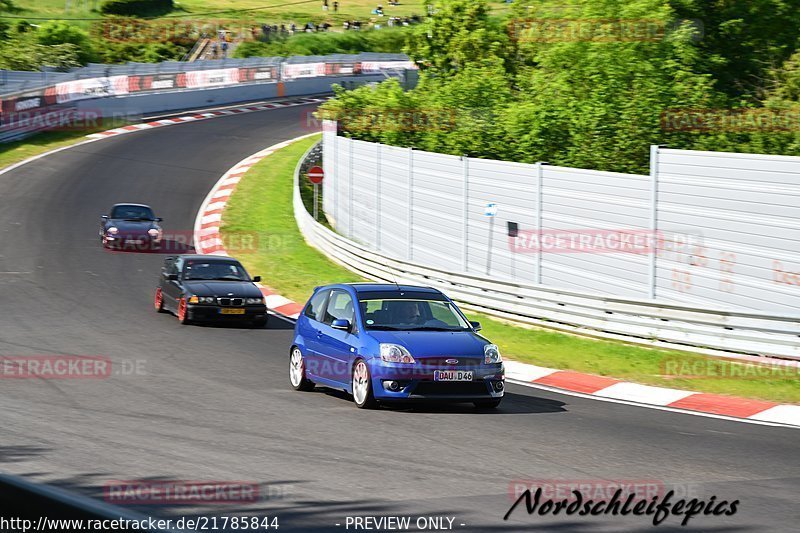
(315, 175)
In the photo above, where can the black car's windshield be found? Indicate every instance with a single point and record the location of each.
(214, 271)
(132, 212)
(412, 315)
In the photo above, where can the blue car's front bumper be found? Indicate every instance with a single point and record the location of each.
(416, 382)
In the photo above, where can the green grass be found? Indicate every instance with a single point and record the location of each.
(39, 143)
(263, 203)
(272, 11)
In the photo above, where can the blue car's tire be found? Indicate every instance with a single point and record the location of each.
(297, 371)
(362, 386)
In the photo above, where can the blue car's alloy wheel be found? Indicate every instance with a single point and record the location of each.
(362, 386)
(297, 372)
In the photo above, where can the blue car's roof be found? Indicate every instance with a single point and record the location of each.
(390, 287)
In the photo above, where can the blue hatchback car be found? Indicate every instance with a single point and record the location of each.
(387, 343)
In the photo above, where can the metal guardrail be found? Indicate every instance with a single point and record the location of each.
(633, 320)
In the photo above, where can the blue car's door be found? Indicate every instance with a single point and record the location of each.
(309, 328)
(338, 347)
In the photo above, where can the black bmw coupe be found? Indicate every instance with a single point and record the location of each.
(209, 288)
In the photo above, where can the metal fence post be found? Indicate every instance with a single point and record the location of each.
(537, 273)
(465, 235)
(653, 219)
(335, 186)
(378, 196)
(350, 193)
(410, 204)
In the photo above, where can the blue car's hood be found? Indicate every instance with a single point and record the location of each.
(131, 225)
(425, 343)
(239, 289)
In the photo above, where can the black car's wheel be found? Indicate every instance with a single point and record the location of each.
(488, 404)
(297, 372)
(362, 386)
(183, 312)
(158, 301)
(261, 322)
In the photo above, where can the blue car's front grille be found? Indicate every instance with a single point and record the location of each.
(436, 388)
(442, 362)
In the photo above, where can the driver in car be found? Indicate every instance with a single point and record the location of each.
(408, 314)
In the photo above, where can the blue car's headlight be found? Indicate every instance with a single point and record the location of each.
(394, 353)
(491, 354)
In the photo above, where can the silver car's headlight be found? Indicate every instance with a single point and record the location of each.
(491, 354)
(251, 301)
(394, 353)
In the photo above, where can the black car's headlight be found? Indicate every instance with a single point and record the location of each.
(491, 354)
(202, 300)
(112, 230)
(252, 301)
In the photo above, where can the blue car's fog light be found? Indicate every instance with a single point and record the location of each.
(392, 385)
(498, 386)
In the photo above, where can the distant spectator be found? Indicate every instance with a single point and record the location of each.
(324, 5)
(293, 28)
(346, 24)
(335, 6)
(214, 49)
(224, 49)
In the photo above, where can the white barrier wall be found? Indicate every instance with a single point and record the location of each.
(713, 229)
(744, 210)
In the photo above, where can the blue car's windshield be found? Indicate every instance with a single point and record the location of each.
(411, 315)
(132, 212)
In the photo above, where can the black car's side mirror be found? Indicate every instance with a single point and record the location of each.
(256, 279)
(475, 325)
(104, 217)
(159, 219)
(341, 324)
(170, 277)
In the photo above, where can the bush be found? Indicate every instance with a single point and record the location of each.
(53, 33)
(137, 8)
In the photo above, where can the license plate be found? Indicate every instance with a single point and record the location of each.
(232, 311)
(452, 375)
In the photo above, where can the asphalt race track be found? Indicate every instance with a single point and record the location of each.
(214, 403)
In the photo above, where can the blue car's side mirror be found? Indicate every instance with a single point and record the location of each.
(170, 277)
(341, 324)
(256, 279)
(104, 217)
(475, 325)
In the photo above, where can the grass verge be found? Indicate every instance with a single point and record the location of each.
(17, 151)
(262, 203)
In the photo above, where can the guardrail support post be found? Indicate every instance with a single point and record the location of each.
(652, 266)
(410, 204)
(465, 251)
(537, 277)
(378, 196)
(350, 193)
